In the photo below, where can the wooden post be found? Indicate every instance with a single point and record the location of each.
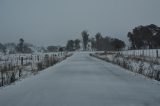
(38, 58)
(2, 81)
(20, 72)
(1, 76)
(157, 53)
(22, 61)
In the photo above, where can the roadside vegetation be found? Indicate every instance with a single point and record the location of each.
(20, 60)
(143, 55)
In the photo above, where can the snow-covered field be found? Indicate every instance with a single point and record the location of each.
(138, 61)
(148, 55)
(15, 59)
(22, 65)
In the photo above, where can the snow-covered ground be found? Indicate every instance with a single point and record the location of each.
(148, 66)
(82, 80)
(15, 59)
(27, 63)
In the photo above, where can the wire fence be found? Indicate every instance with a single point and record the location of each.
(152, 53)
(15, 66)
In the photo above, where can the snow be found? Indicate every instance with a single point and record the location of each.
(13, 63)
(82, 80)
(147, 66)
(146, 52)
(16, 58)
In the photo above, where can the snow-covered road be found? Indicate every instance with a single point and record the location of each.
(82, 80)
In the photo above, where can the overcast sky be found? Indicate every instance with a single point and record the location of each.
(53, 22)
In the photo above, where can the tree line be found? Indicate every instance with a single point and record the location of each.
(96, 43)
(73, 45)
(21, 47)
(145, 37)
(106, 43)
(141, 37)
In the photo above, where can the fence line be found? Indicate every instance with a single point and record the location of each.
(152, 53)
(12, 66)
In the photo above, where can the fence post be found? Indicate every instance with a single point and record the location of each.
(1, 84)
(38, 58)
(157, 53)
(22, 61)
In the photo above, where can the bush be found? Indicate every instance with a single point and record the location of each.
(13, 79)
(141, 68)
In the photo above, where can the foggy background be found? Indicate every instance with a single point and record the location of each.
(53, 22)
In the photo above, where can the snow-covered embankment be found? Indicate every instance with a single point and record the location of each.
(137, 64)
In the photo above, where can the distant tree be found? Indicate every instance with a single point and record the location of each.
(3, 48)
(99, 38)
(70, 45)
(77, 44)
(61, 49)
(20, 46)
(145, 37)
(52, 48)
(107, 43)
(27, 48)
(132, 40)
(93, 43)
(157, 40)
(85, 36)
(23, 47)
(11, 47)
(117, 44)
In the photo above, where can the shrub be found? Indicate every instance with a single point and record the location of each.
(141, 68)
